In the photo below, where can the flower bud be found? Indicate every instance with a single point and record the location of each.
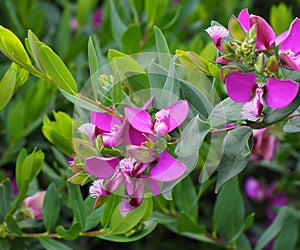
(35, 204)
(260, 62)
(272, 65)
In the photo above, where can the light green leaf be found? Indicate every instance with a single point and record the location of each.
(5, 192)
(237, 146)
(51, 207)
(57, 70)
(131, 39)
(117, 26)
(69, 234)
(109, 207)
(94, 67)
(236, 30)
(280, 17)
(12, 47)
(7, 87)
(120, 224)
(13, 225)
(149, 226)
(162, 48)
(155, 9)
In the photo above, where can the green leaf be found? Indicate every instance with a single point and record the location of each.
(162, 48)
(117, 26)
(275, 115)
(287, 239)
(186, 223)
(292, 126)
(229, 207)
(28, 166)
(237, 146)
(273, 229)
(13, 225)
(77, 204)
(71, 234)
(155, 9)
(196, 98)
(157, 77)
(35, 49)
(51, 207)
(51, 244)
(110, 205)
(5, 193)
(131, 39)
(7, 87)
(192, 137)
(12, 47)
(93, 219)
(149, 226)
(120, 224)
(94, 67)
(247, 224)
(280, 17)
(225, 112)
(236, 30)
(57, 70)
(59, 132)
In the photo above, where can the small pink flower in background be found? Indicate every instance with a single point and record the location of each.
(255, 190)
(73, 23)
(97, 18)
(13, 181)
(265, 145)
(278, 200)
(35, 204)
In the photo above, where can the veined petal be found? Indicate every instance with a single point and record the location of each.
(239, 86)
(289, 60)
(291, 41)
(88, 129)
(101, 167)
(244, 19)
(178, 113)
(280, 93)
(265, 34)
(216, 33)
(105, 121)
(167, 168)
(139, 119)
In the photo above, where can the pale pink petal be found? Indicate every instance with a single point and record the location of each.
(139, 119)
(240, 86)
(178, 113)
(216, 33)
(289, 60)
(280, 93)
(116, 180)
(88, 129)
(101, 167)
(244, 19)
(167, 168)
(153, 185)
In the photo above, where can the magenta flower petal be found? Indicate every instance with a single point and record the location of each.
(280, 93)
(153, 185)
(104, 121)
(167, 168)
(239, 86)
(290, 42)
(244, 19)
(265, 34)
(289, 60)
(139, 119)
(101, 167)
(178, 113)
(148, 103)
(132, 136)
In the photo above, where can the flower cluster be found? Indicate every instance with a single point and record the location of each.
(129, 151)
(253, 69)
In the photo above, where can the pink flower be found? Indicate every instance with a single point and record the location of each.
(289, 51)
(265, 145)
(97, 18)
(275, 93)
(255, 190)
(35, 204)
(217, 33)
(132, 174)
(165, 120)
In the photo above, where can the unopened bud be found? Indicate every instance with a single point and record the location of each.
(260, 62)
(272, 64)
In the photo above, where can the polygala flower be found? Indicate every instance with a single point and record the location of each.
(113, 172)
(217, 33)
(35, 204)
(275, 93)
(166, 120)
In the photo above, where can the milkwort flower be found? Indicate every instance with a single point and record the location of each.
(34, 203)
(144, 163)
(276, 93)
